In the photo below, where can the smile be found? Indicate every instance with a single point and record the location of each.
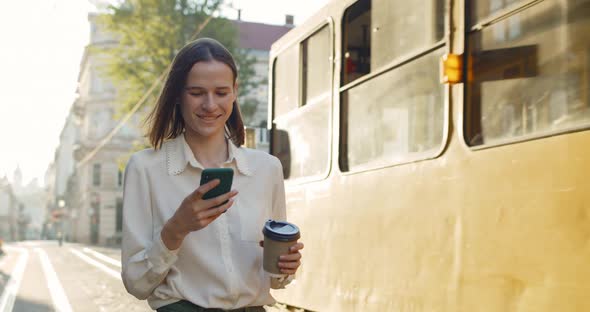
(208, 117)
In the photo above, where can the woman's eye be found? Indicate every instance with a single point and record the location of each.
(221, 93)
(196, 94)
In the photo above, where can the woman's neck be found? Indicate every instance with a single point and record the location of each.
(210, 152)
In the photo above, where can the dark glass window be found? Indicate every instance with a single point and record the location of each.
(119, 216)
(96, 175)
(378, 32)
(120, 177)
(529, 73)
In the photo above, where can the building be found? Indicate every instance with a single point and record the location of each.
(30, 212)
(256, 39)
(60, 193)
(8, 212)
(90, 189)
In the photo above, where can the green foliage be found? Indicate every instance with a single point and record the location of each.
(147, 35)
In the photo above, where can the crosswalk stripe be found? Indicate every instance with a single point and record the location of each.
(58, 295)
(102, 257)
(13, 284)
(97, 264)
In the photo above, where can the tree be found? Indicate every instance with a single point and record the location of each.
(148, 34)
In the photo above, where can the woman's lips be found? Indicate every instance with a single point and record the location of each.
(208, 117)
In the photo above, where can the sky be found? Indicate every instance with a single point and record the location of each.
(40, 53)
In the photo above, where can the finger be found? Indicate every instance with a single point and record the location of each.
(211, 212)
(213, 202)
(289, 265)
(290, 257)
(295, 248)
(205, 222)
(203, 189)
(288, 271)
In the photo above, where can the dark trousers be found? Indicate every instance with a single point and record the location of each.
(187, 306)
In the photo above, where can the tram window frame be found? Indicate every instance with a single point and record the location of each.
(471, 30)
(304, 106)
(395, 63)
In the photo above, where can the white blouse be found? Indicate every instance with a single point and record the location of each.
(219, 266)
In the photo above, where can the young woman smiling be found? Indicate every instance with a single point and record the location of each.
(180, 251)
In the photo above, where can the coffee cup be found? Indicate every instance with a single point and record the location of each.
(279, 236)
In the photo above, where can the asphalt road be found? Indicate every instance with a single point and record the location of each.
(42, 276)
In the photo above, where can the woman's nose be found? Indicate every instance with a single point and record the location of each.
(209, 101)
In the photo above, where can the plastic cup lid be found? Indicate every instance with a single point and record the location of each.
(280, 230)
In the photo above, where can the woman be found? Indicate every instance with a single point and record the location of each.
(179, 251)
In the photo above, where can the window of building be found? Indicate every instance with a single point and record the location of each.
(96, 175)
(119, 215)
(529, 70)
(379, 32)
(397, 114)
(301, 136)
(119, 177)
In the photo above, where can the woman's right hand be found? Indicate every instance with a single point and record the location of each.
(195, 213)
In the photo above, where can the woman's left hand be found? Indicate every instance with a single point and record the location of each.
(290, 262)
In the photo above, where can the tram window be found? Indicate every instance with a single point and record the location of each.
(286, 81)
(301, 136)
(529, 74)
(393, 118)
(377, 32)
(357, 41)
(316, 67)
(483, 9)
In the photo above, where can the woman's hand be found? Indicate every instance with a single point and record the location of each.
(195, 213)
(289, 263)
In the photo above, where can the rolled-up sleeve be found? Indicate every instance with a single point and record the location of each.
(279, 211)
(145, 259)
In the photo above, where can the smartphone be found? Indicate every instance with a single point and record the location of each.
(225, 176)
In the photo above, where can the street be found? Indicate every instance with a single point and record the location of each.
(42, 276)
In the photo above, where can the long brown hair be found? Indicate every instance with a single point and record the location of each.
(165, 120)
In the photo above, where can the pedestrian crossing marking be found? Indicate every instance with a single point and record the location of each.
(97, 264)
(58, 295)
(13, 285)
(102, 257)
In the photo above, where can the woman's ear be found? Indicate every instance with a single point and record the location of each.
(236, 90)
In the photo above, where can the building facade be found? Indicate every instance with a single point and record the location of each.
(96, 218)
(84, 194)
(8, 212)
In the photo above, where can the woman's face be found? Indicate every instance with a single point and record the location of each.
(207, 99)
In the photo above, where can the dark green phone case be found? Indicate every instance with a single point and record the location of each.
(225, 176)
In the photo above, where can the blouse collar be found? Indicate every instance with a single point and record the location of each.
(179, 155)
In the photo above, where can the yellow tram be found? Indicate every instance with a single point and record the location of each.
(437, 154)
